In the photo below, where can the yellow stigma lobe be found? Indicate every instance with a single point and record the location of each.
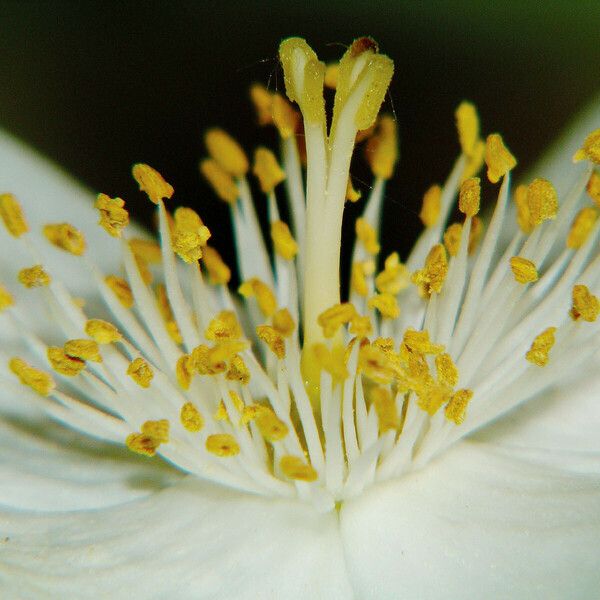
(83, 350)
(141, 372)
(270, 336)
(6, 298)
(222, 182)
(469, 196)
(498, 158)
(586, 306)
(582, 226)
(64, 364)
(431, 278)
(541, 346)
(255, 288)
(593, 187)
(283, 242)
(386, 304)
(190, 417)
(227, 152)
(336, 316)
(367, 235)
(152, 183)
(267, 170)
(542, 201)
(39, 381)
(456, 408)
(295, 468)
(222, 445)
(467, 124)
(432, 204)
(218, 272)
(523, 270)
(121, 290)
(113, 216)
(382, 148)
(102, 332)
(34, 276)
(12, 215)
(590, 149)
(65, 237)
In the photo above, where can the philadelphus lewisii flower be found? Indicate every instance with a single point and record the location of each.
(435, 435)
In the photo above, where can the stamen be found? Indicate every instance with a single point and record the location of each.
(255, 288)
(469, 196)
(121, 289)
(267, 170)
(582, 227)
(542, 201)
(523, 269)
(141, 372)
(270, 336)
(83, 350)
(295, 468)
(432, 205)
(6, 298)
(221, 182)
(368, 236)
(39, 381)
(590, 149)
(498, 158)
(382, 148)
(395, 276)
(218, 272)
(283, 242)
(12, 215)
(102, 332)
(431, 278)
(456, 408)
(113, 216)
(152, 182)
(65, 237)
(386, 304)
(64, 364)
(227, 152)
(585, 305)
(467, 124)
(593, 187)
(34, 276)
(540, 347)
(223, 445)
(336, 316)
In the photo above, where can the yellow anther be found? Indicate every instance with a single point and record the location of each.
(190, 418)
(218, 272)
(523, 269)
(263, 103)
(385, 344)
(523, 213)
(227, 152)
(152, 182)
(456, 409)
(164, 307)
(376, 364)
(113, 216)
(121, 289)
(249, 413)
(144, 270)
(65, 237)
(238, 371)
(285, 117)
(430, 398)
(224, 326)
(273, 339)
(270, 426)
(542, 201)
(467, 124)
(142, 444)
(283, 322)
(34, 277)
(336, 316)
(102, 332)
(394, 278)
(446, 370)
(431, 207)
(255, 288)
(237, 401)
(590, 149)
(159, 430)
(12, 215)
(222, 445)
(498, 158)
(332, 72)
(283, 242)
(39, 381)
(141, 372)
(475, 234)
(582, 226)
(64, 364)
(83, 350)
(221, 181)
(358, 279)
(331, 360)
(469, 196)
(385, 407)
(361, 327)
(203, 361)
(147, 250)
(418, 341)
(382, 148)
(352, 195)
(475, 161)
(189, 235)
(452, 237)
(367, 235)
(585, 305)
(386, 304)
(540, 347)
(221, 412)
(6, 298)
(295, 468)
(267, 170)
(593, 187)
(431, 278)
(184, 371)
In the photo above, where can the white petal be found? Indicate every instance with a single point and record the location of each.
(477, 523)
(190, 541)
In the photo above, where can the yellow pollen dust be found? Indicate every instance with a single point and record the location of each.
(498, 158)
(295, 468)
(12, 215)
(283, 322)
(523, 270)
(593, 187)
(65, 237)
(141, 372)
(452, 237)
(270, 426)
(238, 371)
(385, 407)
(152, 183)
(83, 349)
(6, 298)
(274, 340)
(367, 235)
(582, 226)
(523, 214)
(227, 152)
(39, 381)
(386, 304)
(113, 216)
(218, 272)
(332, 360)
(336, 316)
(431, 278)
(102, 332)
(267, 170)
(263, 103)
(121, 290)
(456, 408)
(64, 364)
(446, 370)
(540, 347)
(190, 417)
(382, 148)
(586, 306)
(467, 124)
(255, 288)
(221, 182)
(283, 242)
(224, 326)
(431, 207)
(395, 276)
(184, 371)
(469, 196)
(34, 276)
(222, 445)
(590, 149)
(542, 201)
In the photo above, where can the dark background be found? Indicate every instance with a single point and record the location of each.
(99, 85)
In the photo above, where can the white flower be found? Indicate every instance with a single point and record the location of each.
(449, 450)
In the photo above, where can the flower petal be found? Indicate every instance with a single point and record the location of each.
(478, 523)
(189, 541)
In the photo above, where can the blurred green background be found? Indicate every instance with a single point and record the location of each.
(98, 85)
